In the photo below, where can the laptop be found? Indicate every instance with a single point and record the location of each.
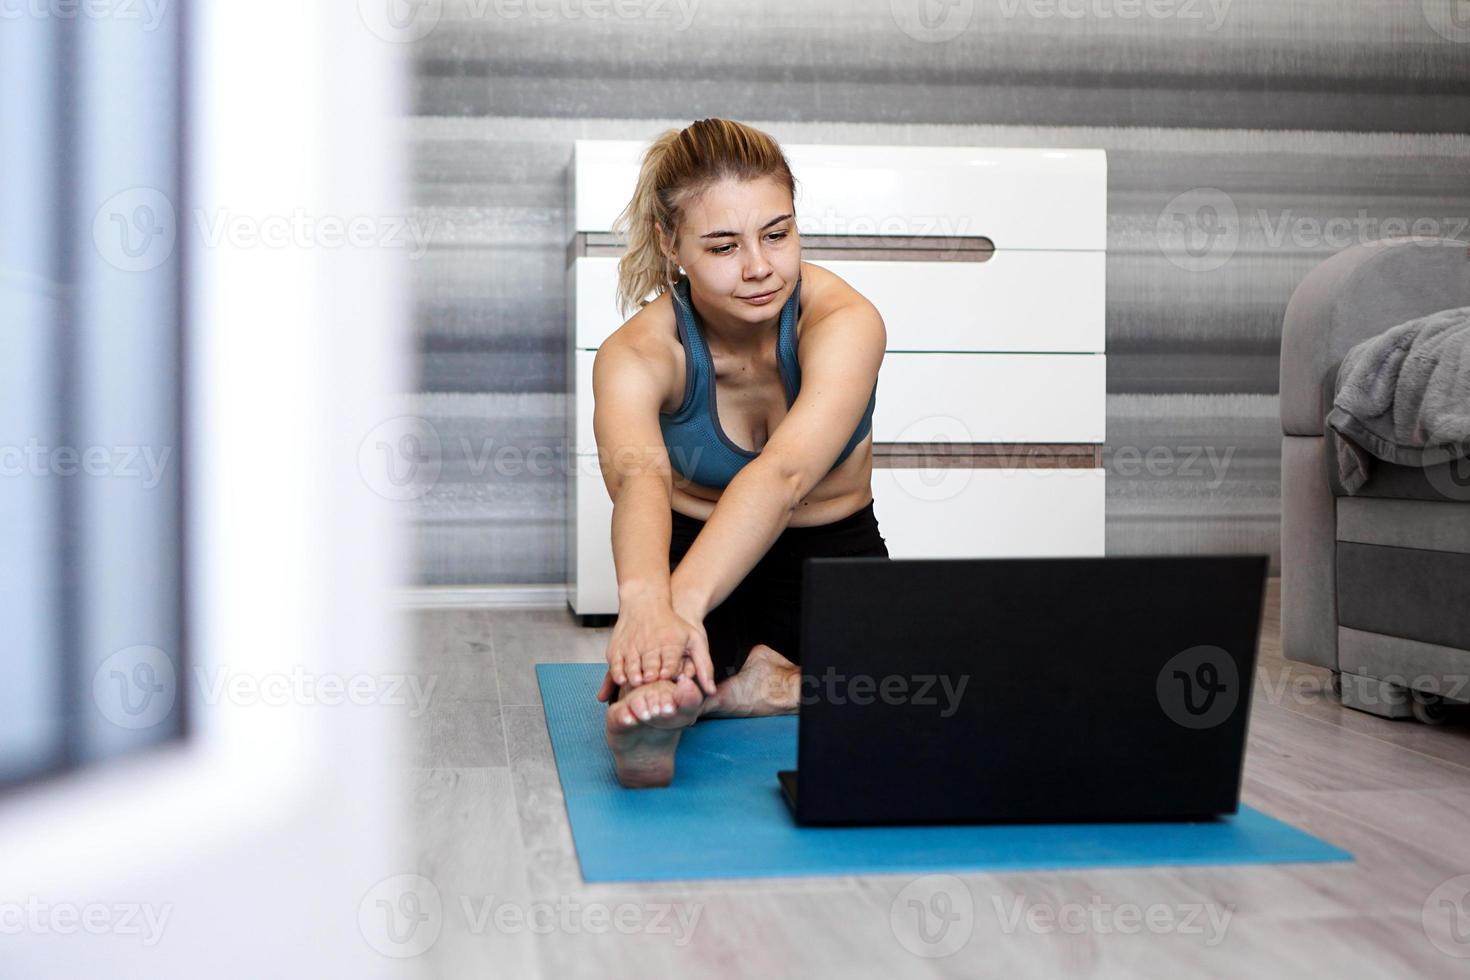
(1017, 690)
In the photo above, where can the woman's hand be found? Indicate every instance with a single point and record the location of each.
(650, 642)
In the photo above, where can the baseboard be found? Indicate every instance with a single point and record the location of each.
(483, 597)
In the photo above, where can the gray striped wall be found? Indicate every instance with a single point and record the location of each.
(1247, 141)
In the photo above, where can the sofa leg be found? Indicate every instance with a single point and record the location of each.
(1432, 709)
(1377, 697)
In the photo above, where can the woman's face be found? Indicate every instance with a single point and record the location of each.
(738, 240)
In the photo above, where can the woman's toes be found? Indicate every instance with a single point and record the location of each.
(663, 704)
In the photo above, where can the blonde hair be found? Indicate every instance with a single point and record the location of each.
(679, 165)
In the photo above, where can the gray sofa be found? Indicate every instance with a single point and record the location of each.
(1374, 585)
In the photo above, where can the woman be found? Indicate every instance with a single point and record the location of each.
(733, 423)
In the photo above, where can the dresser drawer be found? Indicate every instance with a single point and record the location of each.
(922, 513)
(957, 398)
(592, 581)
(585, 440)
(595, 297)
(990, 513)
(1013, 302)
(1019, 197)
(961, 398)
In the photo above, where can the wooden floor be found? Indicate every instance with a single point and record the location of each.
(491, 833)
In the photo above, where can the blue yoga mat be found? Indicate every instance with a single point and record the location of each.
(724, 816)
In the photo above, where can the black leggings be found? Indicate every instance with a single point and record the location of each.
(766, 606)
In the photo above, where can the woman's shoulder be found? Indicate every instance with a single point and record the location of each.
(823, 291)
(650, 331)
(651, 336)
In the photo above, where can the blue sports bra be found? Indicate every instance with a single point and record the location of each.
(698, 447)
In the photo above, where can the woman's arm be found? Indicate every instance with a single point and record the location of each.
(750, 515)
(840, 354)
(649, 641)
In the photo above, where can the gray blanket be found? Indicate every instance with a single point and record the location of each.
(1404, 396)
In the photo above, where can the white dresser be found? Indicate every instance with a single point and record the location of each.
(989, 268)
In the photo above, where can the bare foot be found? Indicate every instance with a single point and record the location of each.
(768, 684)
(643, 729)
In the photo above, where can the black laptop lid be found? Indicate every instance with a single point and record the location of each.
(1052, 689)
